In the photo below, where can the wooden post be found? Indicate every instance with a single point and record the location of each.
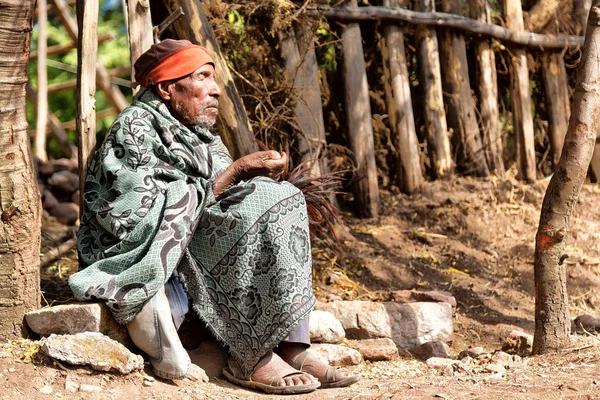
(487, 89)
(521, 97)
(557, 101)
(298, 52)
(582, 10)
(87, 51)
(234, 126)
(358, 115)
(139, 24)
(430, 83)
(409, 177)
(42, 78)
(461, 114)
(112, 92)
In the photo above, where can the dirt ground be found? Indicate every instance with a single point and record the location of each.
(472, 238)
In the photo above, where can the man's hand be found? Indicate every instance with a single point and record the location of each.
(268, 163)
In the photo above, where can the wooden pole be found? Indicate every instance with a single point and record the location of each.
(446, 20)
(461, 114)
(42, 77)
(87, 50)
(112, 92)
(302, 74)
(487, 90)
(63, 48)
(430, 83)
(358, 115)
(582, 11)
(552, 320)
(520, 94)
(234, 126)
(557, 101)
(541, 13)
(409, 177)
(139, 24)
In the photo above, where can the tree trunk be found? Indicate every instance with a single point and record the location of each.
(487, 89)
(42, 78)
(461, 113)
(87, 52)
(358, 115)
(552, 321)
(520, 94)
(430, 82)
(20, 207)
(302, 74)
(557, 101)
(540, 14)
(233, 123)
(409, 177)
(139, 24)
(446, 21)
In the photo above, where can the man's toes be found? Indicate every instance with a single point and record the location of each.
(341, 374)
(308, 379)
(283, 382)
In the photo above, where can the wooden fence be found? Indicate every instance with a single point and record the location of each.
(462, 131)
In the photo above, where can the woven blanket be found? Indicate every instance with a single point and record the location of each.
(244, 257)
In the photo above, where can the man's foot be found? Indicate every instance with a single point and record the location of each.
(297, 356)
(272, 375)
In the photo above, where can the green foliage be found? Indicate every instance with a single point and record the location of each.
(237, 24)
(112, 54)
(327, 50)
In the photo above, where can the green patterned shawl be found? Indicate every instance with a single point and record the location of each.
(244, 257)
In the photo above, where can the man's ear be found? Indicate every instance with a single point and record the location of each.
(162, 89)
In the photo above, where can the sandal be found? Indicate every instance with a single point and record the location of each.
(330, 381)
(273, 387)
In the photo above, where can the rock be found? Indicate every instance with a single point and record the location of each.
(435, 348)
(46, 389)
(382, 349)
(66, 213)
(74, 318)
(444, 366)
(518, 342)
(472, 352)
(586, 323)
(51, 166)
(65, 181)
(416, 296)
(496, 368)
(325, 328)
(71, 386)
(336, 355)
(94, 349)
(414, 324)
(85, 388)
(360, 319)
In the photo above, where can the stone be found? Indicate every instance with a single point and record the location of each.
(444, 366)
(435, 348)
(85, 388)
(414, 324)
(382, 349)
(472, 352)
(360, 319)
(586, 323)
(71, 386)
(94, 349)
(46, 389)
(496, 368)
(336, 355)
(324, 327)
(66, 181)
(69, 319)
(417, 296)
(518, 342)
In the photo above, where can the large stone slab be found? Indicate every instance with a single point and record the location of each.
(414, 324)
(336, 355)
(69, 319)
(382, 349)
(93, 349)
(427, 350)
(417, 296)
(325, 328)
(360, 319)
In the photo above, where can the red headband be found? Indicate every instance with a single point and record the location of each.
(182, 62)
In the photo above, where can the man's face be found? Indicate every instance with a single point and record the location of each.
(195, 98)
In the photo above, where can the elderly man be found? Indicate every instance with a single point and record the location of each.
(171, 220)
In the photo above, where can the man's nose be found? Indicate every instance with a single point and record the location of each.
(215, 90)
